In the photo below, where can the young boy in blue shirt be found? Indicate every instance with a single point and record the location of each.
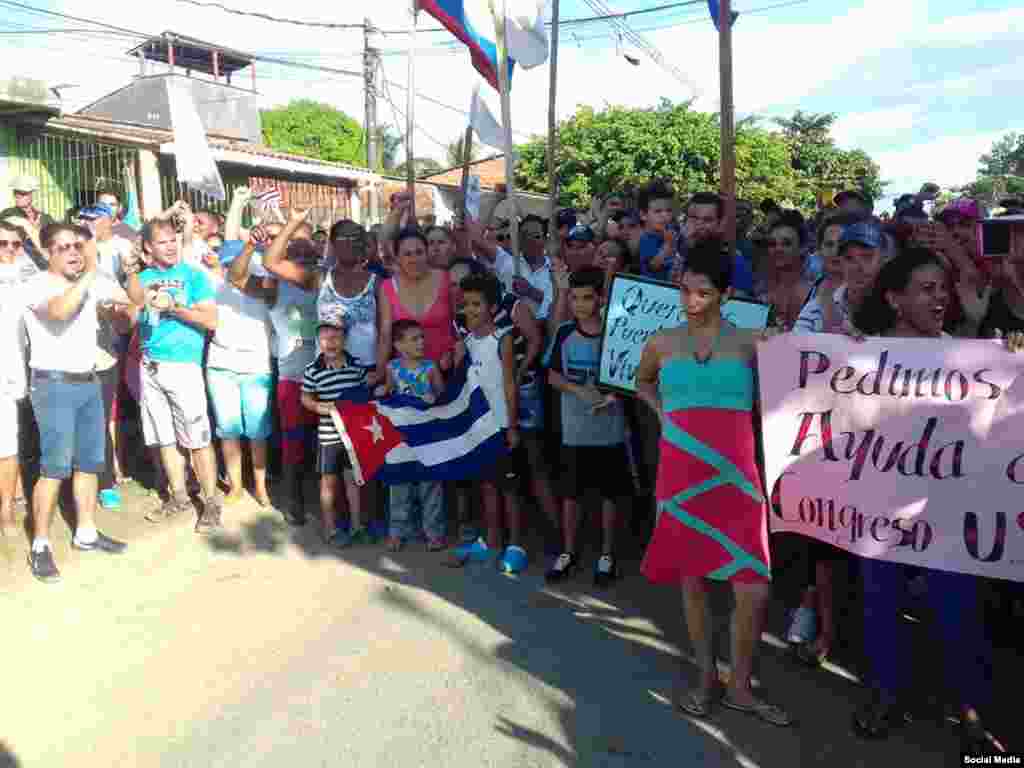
(593, 428)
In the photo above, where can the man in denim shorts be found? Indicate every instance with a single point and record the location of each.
(62, 319)
(179, 309)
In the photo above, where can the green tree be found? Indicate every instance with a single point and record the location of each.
(1000, 171)
(456, 152)
(819, 164)
(620, 148)
(1006, 158)
(306, 127)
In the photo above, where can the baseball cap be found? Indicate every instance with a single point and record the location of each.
(856, 194)
(863, 233)
(964, 207)
(566, 218)
(25, 183)
(581, 234)
(333, 317)
(93, 212)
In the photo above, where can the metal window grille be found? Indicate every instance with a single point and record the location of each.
(72, 172)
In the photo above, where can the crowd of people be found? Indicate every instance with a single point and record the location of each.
(238, 344)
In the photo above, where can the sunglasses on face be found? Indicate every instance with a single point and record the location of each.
(779, 243)
(15, 244)
(503, 238)
(65, 247)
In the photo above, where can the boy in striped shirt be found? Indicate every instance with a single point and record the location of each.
(324, 383)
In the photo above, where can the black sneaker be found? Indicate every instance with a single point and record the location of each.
(606, 570)
(103, 543)
(563, 567)
(42, 565)
(209, 517)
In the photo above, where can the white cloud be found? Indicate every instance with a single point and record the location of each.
(859, 129)
(948, 161)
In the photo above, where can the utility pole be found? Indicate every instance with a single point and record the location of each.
(371, 63)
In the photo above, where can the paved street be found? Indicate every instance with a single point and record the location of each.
(261, 648)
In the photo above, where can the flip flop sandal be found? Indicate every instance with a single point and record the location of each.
(694, 703)
(762, 710)
(874, 721)
(807, 655)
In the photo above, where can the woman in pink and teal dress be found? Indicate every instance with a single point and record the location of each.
(712, 516)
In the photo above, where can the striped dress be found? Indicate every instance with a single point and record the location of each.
(712, 520)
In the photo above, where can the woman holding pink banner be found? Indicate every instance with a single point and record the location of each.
(712, 516)
(910, 299)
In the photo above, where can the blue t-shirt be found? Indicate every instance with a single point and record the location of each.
(170, 340)
(650, 244)
(742, 271)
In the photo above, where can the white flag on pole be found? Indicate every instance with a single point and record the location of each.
(525, 33)
(196, 166)
(486, 126)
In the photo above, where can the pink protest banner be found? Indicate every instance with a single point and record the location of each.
(910, 450)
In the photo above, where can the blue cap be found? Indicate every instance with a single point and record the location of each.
(566, 218)
(93, 212)
(581, 234)
(862, 233)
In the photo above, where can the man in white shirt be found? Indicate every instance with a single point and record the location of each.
(534, 280)
(63, 306)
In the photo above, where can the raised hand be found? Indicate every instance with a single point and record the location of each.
(975, 303)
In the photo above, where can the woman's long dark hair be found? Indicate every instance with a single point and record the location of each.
(875, 316)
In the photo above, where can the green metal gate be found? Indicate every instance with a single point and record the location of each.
(72, 172)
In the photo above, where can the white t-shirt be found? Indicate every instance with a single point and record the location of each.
(12, 332)
(69, 345)
(294, 319)
(242, 340)
(505, 269)
(110, 256)
(486, 368)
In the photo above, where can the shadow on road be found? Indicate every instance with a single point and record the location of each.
(610, 659)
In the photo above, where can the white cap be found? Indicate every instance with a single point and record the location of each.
(25, 183)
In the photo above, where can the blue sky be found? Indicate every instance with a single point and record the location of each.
(924, 86)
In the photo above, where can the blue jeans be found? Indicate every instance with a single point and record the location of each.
(241, 403)
(953, 598)
(404, 498)
(72, 427)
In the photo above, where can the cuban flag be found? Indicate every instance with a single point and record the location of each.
(269, 198)
(471, 22)
(401, 440)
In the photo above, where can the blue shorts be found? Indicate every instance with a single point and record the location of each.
(72, 426)
(241, 403)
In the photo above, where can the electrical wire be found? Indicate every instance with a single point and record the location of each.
(279, 20)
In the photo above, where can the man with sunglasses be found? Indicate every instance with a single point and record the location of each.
(64, 307)
(534, 279)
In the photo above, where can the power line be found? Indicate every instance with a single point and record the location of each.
(360, 25)
(45, 12)
(564, 22)
(279, 20)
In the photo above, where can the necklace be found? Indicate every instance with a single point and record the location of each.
(711, 349)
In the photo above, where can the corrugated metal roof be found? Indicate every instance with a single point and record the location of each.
(155, 138)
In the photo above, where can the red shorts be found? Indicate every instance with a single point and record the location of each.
(298, 426)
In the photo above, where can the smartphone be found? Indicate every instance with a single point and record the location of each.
(995, 236)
